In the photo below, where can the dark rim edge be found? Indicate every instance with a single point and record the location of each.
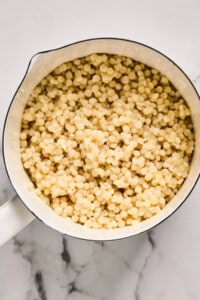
(8, 110)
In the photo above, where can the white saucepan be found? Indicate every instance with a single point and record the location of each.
(24, 207)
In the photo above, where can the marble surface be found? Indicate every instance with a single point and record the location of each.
(41, 264)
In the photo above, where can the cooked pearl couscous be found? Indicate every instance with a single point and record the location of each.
(107, 141)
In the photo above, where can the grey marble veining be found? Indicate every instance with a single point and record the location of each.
(93, 270)
(41, 264)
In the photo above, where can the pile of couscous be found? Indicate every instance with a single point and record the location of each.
(107, 141)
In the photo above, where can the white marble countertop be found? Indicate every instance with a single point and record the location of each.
(40, 263)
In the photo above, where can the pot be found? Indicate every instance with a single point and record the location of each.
(25, 206)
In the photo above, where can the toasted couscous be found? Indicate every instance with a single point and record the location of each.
(107, 141)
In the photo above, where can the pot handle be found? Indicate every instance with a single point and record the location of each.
(14, 216)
